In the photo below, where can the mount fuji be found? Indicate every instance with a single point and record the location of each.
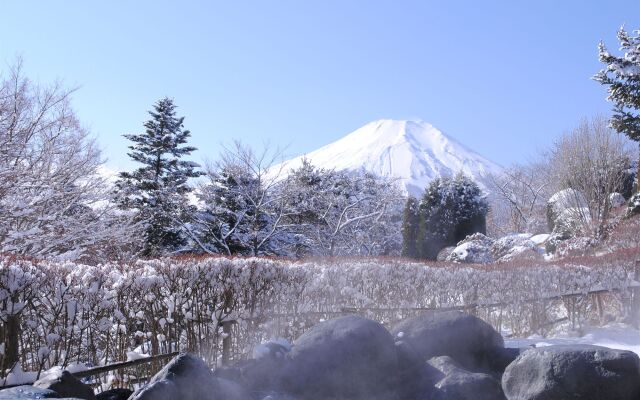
(414, 152)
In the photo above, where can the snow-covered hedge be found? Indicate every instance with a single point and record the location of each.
(67, 313)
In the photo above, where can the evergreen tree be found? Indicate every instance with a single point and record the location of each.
(450, 210)
(622, 76)
(410, 223)
(157, 191)
(226, 216)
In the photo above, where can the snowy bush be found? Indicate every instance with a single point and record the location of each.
(54, 313)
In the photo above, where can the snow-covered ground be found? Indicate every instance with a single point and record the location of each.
(615, 336)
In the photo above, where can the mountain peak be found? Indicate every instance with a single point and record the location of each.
(415, 152)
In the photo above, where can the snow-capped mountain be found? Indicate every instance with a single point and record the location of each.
(415, 152)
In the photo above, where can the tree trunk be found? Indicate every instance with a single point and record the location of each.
(11, 342)
(638, 170)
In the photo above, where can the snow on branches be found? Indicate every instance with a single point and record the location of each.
(99, 314)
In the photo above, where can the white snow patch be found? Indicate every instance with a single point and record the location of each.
(613, 336)
(134, 355)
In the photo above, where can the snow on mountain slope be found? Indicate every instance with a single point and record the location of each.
(413, 151)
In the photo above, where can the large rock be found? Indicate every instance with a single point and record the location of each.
(634, 205)
(616, 200)
(66, 385)
(474, 249)
(344, 358)
(573, 372)
(467, 339)
(518, 247)
(263, 373)
(187, 377)
(416, 379)
(456, 383)
(26, 392)
(445, 253)
(570, 224)
(114, 394)
(561, 201)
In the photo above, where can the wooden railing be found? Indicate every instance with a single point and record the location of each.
(144, 368)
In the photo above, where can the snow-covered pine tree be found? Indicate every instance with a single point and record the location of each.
(436, 217)
(410, 223)
(472, 207)
(157, 191)
(622, 76)
(450, 209)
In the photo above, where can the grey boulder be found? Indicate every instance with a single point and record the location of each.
(456, 383)
(467, 339)
(187, 377)
(573, 372)
(66, 385)
(26, 392)
(344, 358)
(114, 394)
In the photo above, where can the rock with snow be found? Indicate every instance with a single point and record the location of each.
(344, 358)
(634, 205)
(617, 200)
(467, 339)
(527, 251)
(500, 247)
(413, 152)
(444, 254)
(539, 239)
(187, 377)
(27, 392)
(114, 394)
(474, 249)
(561, 201)
(66, 385)
(456, 383)
(573, 372)
(570, 224)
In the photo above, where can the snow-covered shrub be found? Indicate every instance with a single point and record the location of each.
(54, 313)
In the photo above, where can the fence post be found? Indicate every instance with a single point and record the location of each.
(635, 298)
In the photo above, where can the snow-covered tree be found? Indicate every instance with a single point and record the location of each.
(243, 209)
(593, 160)
(622, 76)
(450, 209)
(520, 194)
(410, 223)
(54, 201)
(344, 213)
(158, 191)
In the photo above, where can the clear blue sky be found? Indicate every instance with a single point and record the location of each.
(503, 77)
